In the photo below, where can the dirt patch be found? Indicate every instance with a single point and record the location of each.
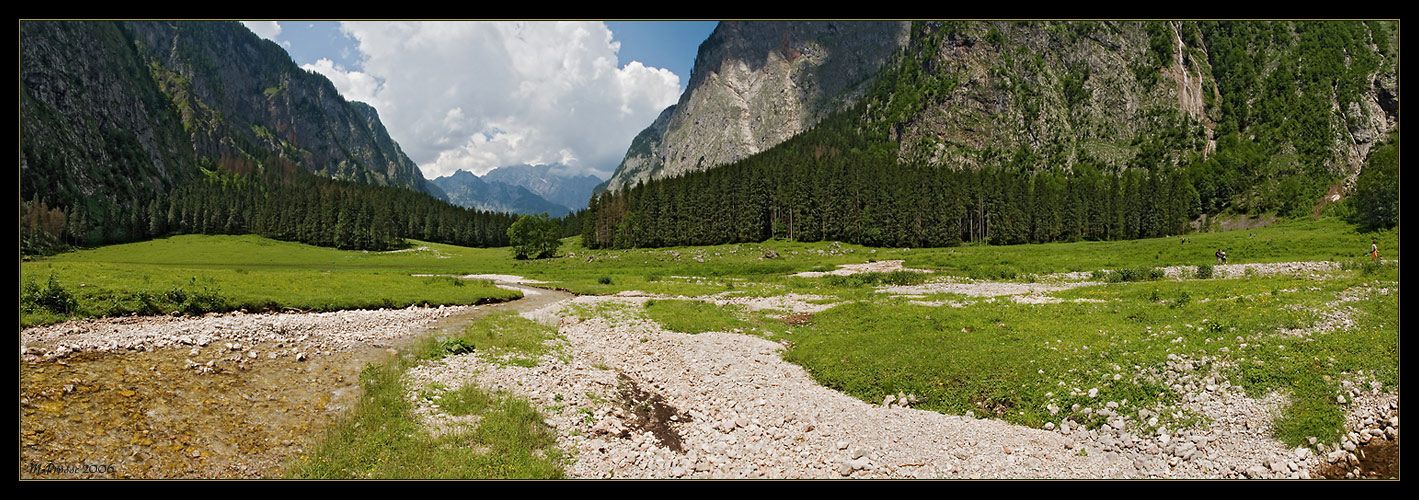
(649, 412)
(798, 319)
(1244, 222)
(1332, 195)
(1378, 459)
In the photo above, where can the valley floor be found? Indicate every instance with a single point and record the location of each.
(630, 399)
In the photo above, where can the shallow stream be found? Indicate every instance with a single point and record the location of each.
(147, 414)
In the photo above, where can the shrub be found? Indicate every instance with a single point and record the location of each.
(605, 280)
(1204, 271)
(52, 297)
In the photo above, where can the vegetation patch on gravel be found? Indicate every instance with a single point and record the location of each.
(693, 316)
(383, 438)
(1128, 347)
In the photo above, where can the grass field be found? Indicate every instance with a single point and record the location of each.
(989, 357)
(197, 274)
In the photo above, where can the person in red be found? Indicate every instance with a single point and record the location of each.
(1374, 251)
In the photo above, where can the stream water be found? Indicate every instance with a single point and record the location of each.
(144, 414)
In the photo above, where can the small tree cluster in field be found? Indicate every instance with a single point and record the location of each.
(535, 237)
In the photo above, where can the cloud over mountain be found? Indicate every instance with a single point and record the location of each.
(478, 95)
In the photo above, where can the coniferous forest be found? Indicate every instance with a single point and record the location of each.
(852, 192)
(282, 202)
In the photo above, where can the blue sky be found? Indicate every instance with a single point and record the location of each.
(479, 95)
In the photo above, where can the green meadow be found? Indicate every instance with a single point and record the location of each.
(990, 357)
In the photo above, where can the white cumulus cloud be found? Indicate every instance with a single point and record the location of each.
(480, 95)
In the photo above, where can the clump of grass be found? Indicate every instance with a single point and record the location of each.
(605, 280)
(468, 400)
(509, 338)
(1131, 274)
(692, 316)
(900, 278)
(1204, 271)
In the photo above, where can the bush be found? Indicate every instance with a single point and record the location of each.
(605, 280)
(1204, 271)
(1134, 274)
(52, 297)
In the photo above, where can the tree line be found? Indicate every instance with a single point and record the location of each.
(281, 201)
(818, 186)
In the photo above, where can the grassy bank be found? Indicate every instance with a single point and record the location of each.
(382, 438)
(199, 274)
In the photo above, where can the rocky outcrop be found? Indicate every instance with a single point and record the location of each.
(1052, 94)
(756, 84)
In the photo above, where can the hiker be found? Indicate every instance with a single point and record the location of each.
(1374, 251)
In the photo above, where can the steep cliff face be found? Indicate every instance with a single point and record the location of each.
(755, 84)
(241, 95)
(93, 126)
(1108, 91)
(1058, 90)
(116, 113)
(1293, 100)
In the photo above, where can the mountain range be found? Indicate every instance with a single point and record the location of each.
(1255, 116)
(520, 189)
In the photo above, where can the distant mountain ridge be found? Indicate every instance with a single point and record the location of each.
(571, 191)
(521, 189)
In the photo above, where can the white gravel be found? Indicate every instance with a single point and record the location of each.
(315, 332)
(885, 266)
(749, 414)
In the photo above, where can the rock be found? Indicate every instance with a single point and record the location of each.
(842, 445)
(845, 468)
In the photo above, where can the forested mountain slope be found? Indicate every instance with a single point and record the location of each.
(1008, 131)
(114, 115)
